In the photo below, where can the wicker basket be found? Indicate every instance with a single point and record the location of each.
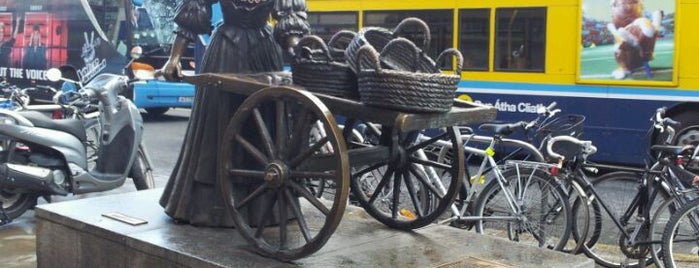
(378, 38)
(339, 42)
(405, 90)
(567, 124)
(322, 68)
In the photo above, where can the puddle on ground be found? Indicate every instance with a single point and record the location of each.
(18, 242)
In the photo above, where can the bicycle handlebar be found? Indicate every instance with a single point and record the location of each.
(661, 122)
(669, 121)
(587, 146)
(544, 114)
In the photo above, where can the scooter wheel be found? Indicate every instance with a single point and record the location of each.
(141, 173)
(15, 204)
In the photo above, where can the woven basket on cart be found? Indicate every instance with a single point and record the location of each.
(405, 90)
(322, 68)
(378, 38)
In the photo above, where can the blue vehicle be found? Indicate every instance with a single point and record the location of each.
(151, 31)
(154, 94)
(94, 37)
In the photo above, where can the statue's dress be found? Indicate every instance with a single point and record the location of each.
(244, 42)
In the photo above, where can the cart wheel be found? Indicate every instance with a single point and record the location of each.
(411, 189)
(267, 158)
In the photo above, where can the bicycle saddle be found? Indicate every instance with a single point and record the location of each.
(503, 129)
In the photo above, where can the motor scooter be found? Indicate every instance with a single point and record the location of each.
(40, 156)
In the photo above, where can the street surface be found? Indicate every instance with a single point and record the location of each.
(163, 137)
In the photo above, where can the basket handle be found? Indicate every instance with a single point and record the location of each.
(418, 22)
(400, 44)
(454, 53)
(313, 40)
(368, 58)
(338, 36)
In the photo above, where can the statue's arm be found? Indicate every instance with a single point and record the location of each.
(292, 22)
(193, 17)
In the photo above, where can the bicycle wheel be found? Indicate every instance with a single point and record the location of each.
(533, 209)
(582, 210)
(660, 219)
(607, 244)
(320, 187)
(681, 237)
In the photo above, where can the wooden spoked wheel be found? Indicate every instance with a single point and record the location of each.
(268, 158)
(411, 189)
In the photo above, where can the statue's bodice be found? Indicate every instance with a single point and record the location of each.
(249, 14)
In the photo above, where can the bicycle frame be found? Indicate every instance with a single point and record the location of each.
(492, 164)
(641, 200)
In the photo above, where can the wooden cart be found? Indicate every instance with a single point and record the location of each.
(285, 143)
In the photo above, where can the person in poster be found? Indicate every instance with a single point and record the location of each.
(35, 52)
(6, 44)
(634, 36)
(627, 40)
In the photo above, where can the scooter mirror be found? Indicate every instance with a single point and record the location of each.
(54, 74)
(136, 52)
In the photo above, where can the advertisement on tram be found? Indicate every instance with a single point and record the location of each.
(627, 43)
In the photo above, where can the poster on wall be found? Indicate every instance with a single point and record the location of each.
(31, 40)
(627, 41)
(36, 35)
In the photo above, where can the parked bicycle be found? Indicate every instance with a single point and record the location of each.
(503, 150)
(515, 203)
(622, 226)
(681, 236)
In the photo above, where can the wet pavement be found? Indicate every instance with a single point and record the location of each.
(17, 242)
(17, 239)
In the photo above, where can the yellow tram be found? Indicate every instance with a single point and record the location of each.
(522, 54)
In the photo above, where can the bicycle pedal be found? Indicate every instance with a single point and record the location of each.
(407, 214)
(462, 224)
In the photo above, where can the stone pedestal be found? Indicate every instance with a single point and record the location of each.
(75, 234)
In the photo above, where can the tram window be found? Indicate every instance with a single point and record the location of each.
(126, 23)
(326, 24)
(110, 15)
(153, 22)
(520, 41)
(440, 23)
(474, 38)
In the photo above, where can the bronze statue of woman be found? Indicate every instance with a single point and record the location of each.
(244, 42)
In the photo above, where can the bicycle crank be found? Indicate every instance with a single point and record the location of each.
(630, 247)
